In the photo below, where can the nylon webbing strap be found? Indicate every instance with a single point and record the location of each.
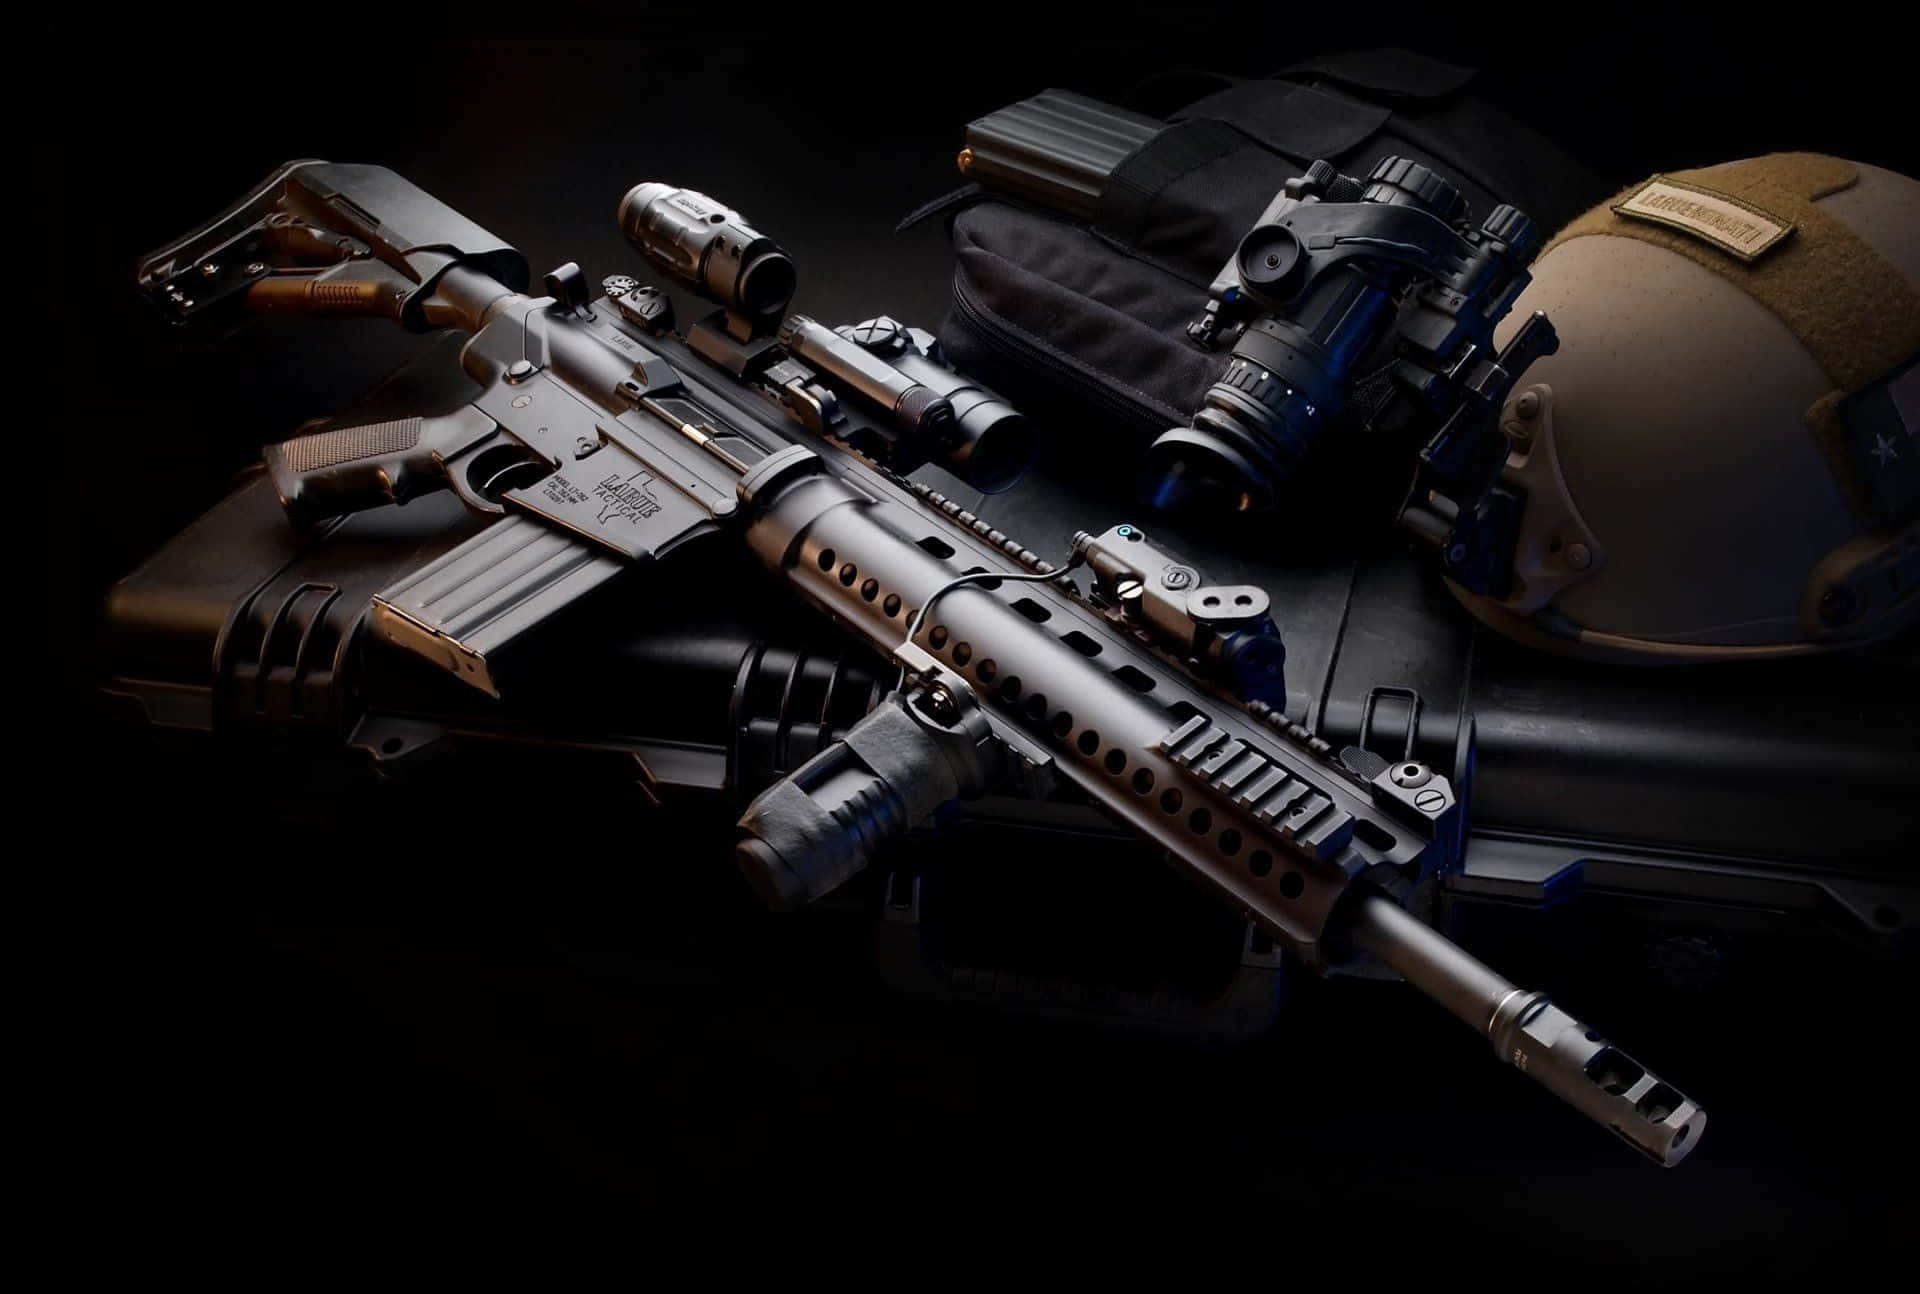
(1126, 204)
(1756, 223)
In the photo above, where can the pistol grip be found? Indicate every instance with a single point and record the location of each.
(348, 469)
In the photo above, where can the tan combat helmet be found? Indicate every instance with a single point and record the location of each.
(1723, 460)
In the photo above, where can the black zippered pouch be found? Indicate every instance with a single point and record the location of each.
(1083, 313)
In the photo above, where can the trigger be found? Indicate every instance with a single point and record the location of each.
(495, 466)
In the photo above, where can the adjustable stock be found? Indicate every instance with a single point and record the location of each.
(308, 239)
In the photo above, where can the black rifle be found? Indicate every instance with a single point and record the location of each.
(608, 441)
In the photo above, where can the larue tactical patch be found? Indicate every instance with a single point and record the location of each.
(1735, 227)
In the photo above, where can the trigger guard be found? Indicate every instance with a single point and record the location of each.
(488, 460)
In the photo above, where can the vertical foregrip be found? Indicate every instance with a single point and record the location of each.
(811, 831)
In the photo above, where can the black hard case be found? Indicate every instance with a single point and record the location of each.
(1707, 797)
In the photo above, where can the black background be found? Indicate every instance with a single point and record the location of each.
(424, 1019)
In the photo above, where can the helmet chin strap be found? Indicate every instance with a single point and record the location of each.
(1550, 631)
(1672, 653)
